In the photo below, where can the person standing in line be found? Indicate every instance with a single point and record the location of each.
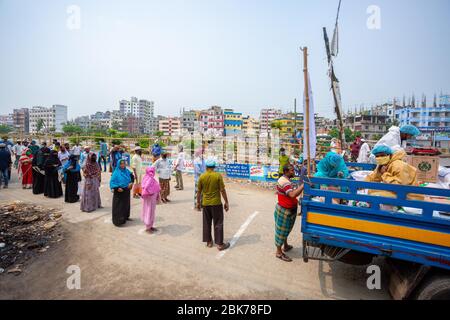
(76, 150)
(52, 185)
(115, 157)
(120, 184)
(34, 148)
(72, 177)
(54, 145)
(199, 169)
(84, 155)
(26, 169)
(17, 151)
(125, 155)
(179, 168)
(354, 148)
(210, 188)
(136, 166)
(67, 147)
(38, 169)
(103, 154)
(156, 150)
(90, 197)
(5, 165)
(283, 161)
(285, 211)
(150, 197)
(63, 155)
(162, 168)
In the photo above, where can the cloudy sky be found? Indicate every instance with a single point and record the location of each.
(241, 54)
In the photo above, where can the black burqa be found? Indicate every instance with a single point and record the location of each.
(72, 177)
(52, 185)
(38, 169)
(121, 206)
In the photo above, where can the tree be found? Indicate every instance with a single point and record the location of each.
(5, 129)
(72, 129)
(275, 124)
(40, 124)
(159, 134)
(334, 133)
(377, 137)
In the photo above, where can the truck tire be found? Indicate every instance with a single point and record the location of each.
(436, 287)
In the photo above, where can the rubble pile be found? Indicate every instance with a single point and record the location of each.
(26, 230)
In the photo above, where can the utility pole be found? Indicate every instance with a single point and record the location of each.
(306, 120)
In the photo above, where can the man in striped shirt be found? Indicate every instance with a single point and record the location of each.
(285, 211)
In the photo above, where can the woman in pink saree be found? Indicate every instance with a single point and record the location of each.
(150, 197)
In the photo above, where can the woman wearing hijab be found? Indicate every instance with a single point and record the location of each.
(52, 185)
(121, 183)
(150, 197)
(90, 197)
(38, 169)
(72, 177)
(26, 169)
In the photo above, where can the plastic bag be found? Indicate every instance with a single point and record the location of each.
(360, 175)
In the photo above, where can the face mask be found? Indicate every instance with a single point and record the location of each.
(381, 161)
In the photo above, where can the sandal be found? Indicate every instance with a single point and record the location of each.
(284, 258)
(209, 244)
(288, 248)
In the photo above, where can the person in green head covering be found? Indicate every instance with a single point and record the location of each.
(283, 160)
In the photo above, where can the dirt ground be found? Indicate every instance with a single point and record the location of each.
(126, 263)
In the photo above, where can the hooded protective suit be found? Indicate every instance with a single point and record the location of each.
(398, 172)
(392, 140)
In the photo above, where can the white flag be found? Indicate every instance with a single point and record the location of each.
(312, 125)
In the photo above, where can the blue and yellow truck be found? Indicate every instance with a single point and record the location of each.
(415, 242)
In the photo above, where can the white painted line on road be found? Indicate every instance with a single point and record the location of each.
(238, 234)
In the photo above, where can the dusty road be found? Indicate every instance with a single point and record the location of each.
(126, 263)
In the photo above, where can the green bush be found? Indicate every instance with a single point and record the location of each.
(144, 143)
(116, 141)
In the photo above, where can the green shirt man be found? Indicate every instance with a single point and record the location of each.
(283, 160)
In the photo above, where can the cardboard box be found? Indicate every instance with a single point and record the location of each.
(427, 167)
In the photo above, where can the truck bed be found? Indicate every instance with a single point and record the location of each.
(421, 237)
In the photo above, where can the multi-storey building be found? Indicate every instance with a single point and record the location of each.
(432, 121)
(132, 124)
(212, 121)
(116, 121)
(372, 125)
(142, 110)
(170, 126)
(250, 126)
(190, 121)
(53, 118)
(7, 120)
(265, 119)
(232, 122)
(21, 119)
(84, 122)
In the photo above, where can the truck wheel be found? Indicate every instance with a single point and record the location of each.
(435, 288)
